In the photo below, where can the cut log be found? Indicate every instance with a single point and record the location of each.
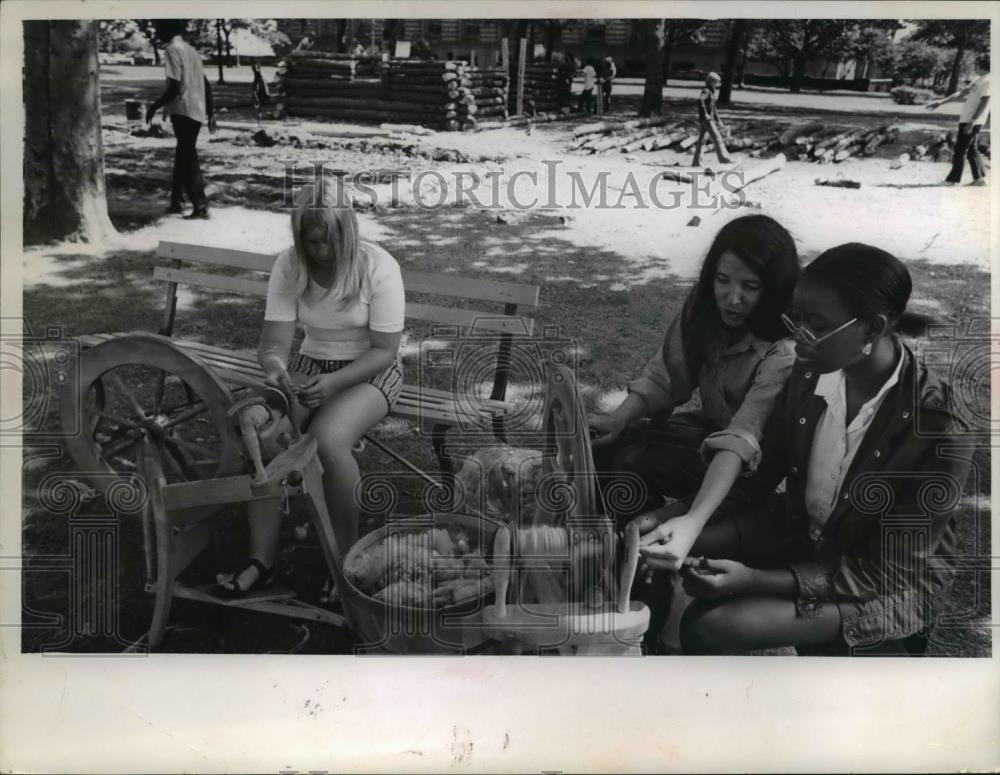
(730, 196)
(837, 183)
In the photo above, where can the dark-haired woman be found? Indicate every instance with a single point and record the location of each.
(857, 549)
(728, 343)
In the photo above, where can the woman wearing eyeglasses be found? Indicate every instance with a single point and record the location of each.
(858, 548)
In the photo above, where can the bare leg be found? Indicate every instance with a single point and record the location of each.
(736, 625)
(339, 423)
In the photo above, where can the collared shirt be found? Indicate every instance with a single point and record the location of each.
(738, 385)
(182, 64)
(980, 89)
(835, 443)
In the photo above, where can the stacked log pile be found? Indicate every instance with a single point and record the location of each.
(821, 143)
(544, 92)
(440, 95)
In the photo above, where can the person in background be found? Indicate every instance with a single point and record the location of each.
(975, 112)
(567, 72)
(709, 122)
(587, 103)
(357, 49)
(188, 101)
(421, 50)
(609, 75)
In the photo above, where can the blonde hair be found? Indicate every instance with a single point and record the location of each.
(322, 206)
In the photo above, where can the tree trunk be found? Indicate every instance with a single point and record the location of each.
(737, 38)
(64, 196)
(341, 34)
(228, 45)
(668, 51)
(798, 71)
(551, 33)
(156, 56)
(652, 95)
(956, 63)
(218, 48)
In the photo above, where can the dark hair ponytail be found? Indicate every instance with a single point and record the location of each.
(869, 282)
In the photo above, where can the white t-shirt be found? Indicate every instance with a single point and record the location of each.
(835, 444)
(183, 64)
(589, 75)
(980, 89)
(334, 332)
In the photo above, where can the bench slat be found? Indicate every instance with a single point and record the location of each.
(205, 280)
(182, 251)
(467, 318)
(468, 288)
(417, 282)
(506, 324)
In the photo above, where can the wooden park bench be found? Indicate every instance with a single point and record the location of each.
(436, 410)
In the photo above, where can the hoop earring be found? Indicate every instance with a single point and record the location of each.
(867, 349)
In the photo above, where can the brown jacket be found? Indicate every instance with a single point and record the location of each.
(887, 550)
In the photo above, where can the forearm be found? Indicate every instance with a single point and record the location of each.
(172, 90)
(722, 473)
(631, 409)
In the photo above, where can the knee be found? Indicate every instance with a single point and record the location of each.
(704, 629)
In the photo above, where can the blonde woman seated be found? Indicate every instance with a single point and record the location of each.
(348, 295)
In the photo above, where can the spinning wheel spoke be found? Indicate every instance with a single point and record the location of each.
(193, 410)
(177, 459)
(120, 422)
(110, 452)
(161, 389)
(128, 395)
(194, 449)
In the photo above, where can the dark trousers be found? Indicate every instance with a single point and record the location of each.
(708, 127)
(187, 177)
(651, 459)
(587, 102)
(607, 95)
(966, 147)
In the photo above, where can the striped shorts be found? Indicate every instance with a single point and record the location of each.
(389, 382)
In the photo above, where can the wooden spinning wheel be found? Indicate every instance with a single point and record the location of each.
(142, 389)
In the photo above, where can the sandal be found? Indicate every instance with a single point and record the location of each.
(263, 580)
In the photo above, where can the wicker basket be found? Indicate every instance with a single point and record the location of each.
(384, 627)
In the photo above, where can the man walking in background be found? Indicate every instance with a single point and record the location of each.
(975, 112)
(188, 102)
(708, 121)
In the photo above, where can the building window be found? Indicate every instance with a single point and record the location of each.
(434, 28)
(470, 29)
(595, 33)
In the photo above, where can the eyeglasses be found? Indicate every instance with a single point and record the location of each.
(806, 336)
